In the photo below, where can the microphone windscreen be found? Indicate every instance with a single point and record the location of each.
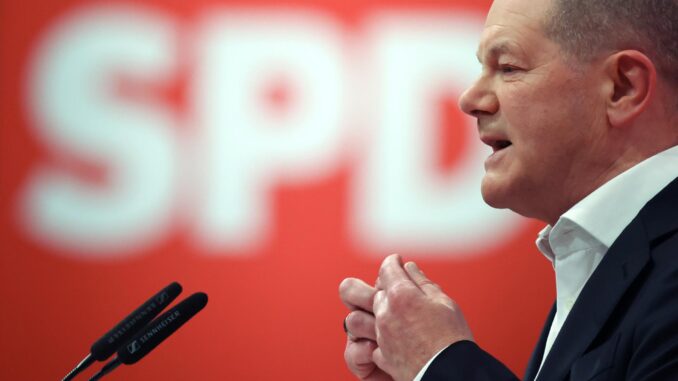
(160, 328)
(121, 333)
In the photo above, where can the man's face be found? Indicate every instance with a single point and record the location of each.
(541, 116)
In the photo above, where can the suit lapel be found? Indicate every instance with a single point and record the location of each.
(659, 216)
(619, 268)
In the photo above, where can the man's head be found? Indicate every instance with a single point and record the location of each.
(565, 118)
(584, 29)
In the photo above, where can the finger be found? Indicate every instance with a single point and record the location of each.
(418, 277)
(378, 375)
(379, 360)
(358, 357)
(360, 325)
(380, 302)
(356, 294)
(392, 272)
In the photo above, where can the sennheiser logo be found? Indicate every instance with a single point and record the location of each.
(161, 298)
(120, 331)
(133, 347)
(159, 327)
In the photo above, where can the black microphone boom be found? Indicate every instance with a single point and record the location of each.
(160, 328)
(113, 339)
(155, 333)
(123, 331)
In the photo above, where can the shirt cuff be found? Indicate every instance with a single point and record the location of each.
(420, 375)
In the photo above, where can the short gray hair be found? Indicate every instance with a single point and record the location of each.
(586, 28)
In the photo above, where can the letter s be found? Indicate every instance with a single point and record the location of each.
(74, 111)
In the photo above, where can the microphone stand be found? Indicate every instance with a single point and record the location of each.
(108, 368)
(87, 361)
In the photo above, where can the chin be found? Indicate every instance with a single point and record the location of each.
(494, 194)
(500, 193)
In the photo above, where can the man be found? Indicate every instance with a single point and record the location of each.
(578, 100)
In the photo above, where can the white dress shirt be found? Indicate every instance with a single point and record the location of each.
(576, 244)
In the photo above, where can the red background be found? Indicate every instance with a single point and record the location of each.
(273, 312)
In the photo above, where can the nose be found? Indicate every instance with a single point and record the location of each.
(479, 99)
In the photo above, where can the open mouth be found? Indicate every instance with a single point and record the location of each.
(499, 145)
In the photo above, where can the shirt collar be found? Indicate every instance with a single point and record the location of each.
(604, 214)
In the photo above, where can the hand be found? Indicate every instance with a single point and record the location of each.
(358, 296)
(414, 319)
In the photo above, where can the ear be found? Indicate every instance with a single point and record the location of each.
(633, 77)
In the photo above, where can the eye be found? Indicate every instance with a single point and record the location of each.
(508, 69)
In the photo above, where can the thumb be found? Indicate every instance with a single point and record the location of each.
(426, 285)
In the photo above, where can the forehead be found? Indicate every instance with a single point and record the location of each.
(513, 22)
(518, 12)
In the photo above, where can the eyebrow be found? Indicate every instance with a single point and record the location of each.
(495, 50)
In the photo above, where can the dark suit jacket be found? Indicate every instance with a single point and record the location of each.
(623, 326)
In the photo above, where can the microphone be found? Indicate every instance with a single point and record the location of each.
(155, 333)
(116, 337)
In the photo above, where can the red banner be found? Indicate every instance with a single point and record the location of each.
(258, 151)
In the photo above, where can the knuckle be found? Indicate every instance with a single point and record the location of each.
(361, 325)
(377, 299)
(382, 270)
(428, 282)
(350, 353)
(400, 292)
(353, 321)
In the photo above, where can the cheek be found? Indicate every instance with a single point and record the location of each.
(543, 134)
